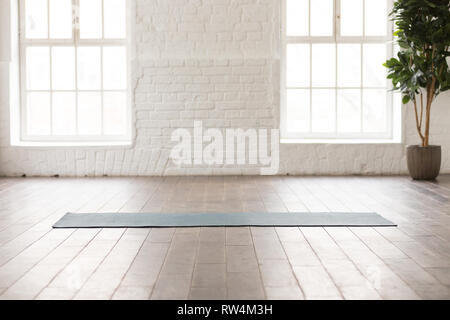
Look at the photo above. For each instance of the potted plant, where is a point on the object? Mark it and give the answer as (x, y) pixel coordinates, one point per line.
(420, 72)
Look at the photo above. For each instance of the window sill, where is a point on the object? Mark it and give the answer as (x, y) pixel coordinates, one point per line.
(339, 141)
(68, 144)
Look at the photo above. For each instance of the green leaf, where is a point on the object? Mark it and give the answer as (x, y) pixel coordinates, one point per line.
(405, 99)
(423, 35)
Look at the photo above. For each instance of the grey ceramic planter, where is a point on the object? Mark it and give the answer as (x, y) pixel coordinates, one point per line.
(424, 163)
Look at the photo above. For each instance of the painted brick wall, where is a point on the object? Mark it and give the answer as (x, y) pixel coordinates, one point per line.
(215, 61)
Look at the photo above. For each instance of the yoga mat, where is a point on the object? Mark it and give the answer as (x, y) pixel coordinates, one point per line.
(161, 220)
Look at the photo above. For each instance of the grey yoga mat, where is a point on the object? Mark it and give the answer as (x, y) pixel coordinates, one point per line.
(161, 220)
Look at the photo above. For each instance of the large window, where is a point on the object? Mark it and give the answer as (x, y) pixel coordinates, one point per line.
(74, 77)
(333, 83)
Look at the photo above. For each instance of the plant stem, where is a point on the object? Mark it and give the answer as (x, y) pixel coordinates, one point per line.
(430, 94)
(421, 109)
(418, 125)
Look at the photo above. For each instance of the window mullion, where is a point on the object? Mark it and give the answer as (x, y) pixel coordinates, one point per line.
(75, 35)
(362, 90)
(336, 18)
(390, 94)
(76, 20)
(101, 71)
(336, 87)
(310, 89)
(364, 18)
(336, 24)
(48, 19)
(309, 18)
(103, 19)
(51, 68)
(50, 48)
(101, 88)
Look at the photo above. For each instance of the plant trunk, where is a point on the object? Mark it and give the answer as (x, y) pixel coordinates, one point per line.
(426, 135)
(430, 94)
(419, 120)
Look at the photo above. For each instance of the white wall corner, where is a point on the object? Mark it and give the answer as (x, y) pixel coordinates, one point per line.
(9, 52)
(5, 34)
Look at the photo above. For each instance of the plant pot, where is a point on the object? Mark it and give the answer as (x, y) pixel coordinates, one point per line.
(424, 163)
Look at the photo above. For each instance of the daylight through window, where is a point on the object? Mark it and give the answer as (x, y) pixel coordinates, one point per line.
(74, 75)
(333, 82)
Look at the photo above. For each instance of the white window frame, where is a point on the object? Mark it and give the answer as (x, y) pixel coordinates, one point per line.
(75, 41)
(336, 38)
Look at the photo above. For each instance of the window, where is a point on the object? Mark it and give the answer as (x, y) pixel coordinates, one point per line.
(334, 85)
(74, 74)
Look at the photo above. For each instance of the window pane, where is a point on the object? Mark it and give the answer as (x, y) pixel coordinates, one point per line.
(64, 114)
(323, 110)
(376, 17)
(60, 19)
(89, 113)
(349, 65)
(297, 68)
(114, 68)
(63, 68)
(38, 68)
(114, 15)
(88, 64)
(36, 19)
(90, 19)
(374, 73)
(298, 110)
(322, 17)
(114, 112)
(352, 17)
(38, 113)
(297, 17)
(349, 110)
(323, 65)
(374, 110)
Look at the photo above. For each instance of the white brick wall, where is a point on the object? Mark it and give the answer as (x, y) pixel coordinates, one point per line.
(216, 61)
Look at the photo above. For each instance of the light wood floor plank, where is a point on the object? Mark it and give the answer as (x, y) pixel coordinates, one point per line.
(411, 261)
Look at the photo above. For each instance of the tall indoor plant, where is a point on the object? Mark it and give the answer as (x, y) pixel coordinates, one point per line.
(420, 72)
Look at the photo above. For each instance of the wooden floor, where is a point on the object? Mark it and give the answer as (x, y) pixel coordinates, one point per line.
(408, 262)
